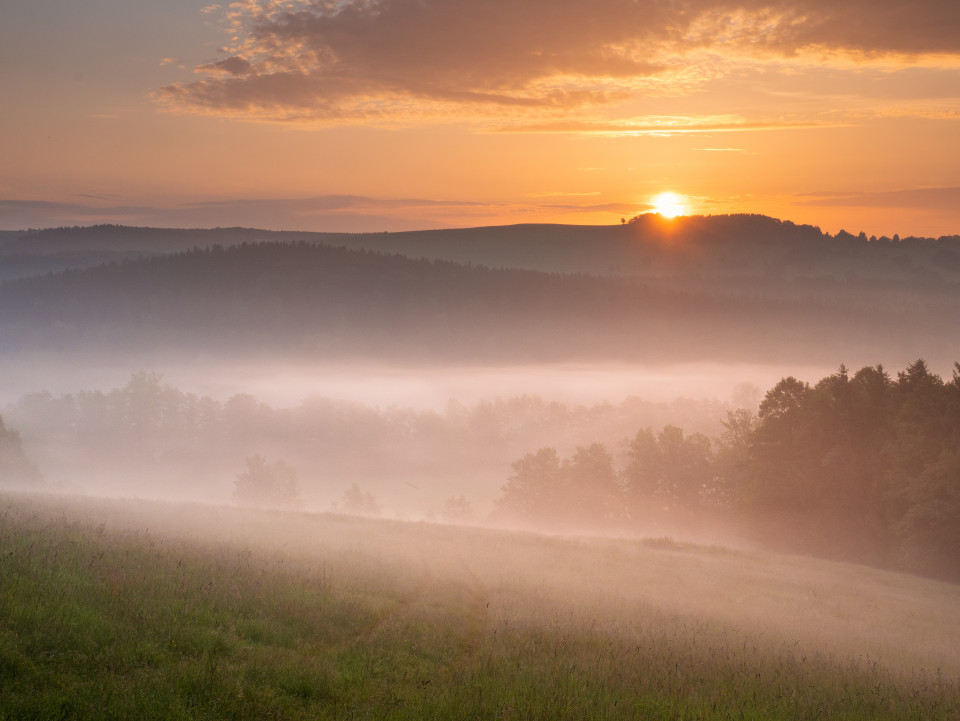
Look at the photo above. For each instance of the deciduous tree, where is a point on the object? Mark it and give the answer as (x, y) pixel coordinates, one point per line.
(263, 483)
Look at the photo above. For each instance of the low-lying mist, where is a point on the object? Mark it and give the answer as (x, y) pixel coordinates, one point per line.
(410, 442)
(426, 387)
(411, 435)
(422, 386)
(795, 464)
(745, 605)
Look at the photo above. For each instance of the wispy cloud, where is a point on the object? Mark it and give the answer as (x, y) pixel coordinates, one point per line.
(340, 213)
(627, 209)
(397, 60)
(562, 194)
(665, 125)
(914, 198)
(922, 113)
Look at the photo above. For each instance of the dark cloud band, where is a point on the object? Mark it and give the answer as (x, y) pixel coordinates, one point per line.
(372, 59)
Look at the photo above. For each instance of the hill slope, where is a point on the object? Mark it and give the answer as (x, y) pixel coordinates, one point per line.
(301, 300)
(131, 610)
(745, 245)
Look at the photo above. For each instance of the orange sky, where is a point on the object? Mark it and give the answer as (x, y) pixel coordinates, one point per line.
(397, 114)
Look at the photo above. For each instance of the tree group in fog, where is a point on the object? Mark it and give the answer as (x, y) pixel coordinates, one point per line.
(579, 491)
(150, 435)
(266, 483)
(15, 468)
(356, 501)
(863, 468)
(860, 466)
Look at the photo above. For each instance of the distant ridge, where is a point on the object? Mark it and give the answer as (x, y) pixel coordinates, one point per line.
(648, 244)
(666, 297)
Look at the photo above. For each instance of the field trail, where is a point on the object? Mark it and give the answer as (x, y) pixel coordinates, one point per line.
(446, 596)
(399, 611)
(475, 618)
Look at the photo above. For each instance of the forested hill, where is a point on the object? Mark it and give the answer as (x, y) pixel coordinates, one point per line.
(721, 246)
(37, 252)
(317, 301)
(709, 246)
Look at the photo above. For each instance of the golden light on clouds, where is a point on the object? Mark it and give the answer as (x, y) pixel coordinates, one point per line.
(353, 61)
(839, 114)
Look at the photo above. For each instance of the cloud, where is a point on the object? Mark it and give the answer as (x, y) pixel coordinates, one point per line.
(234, 65)
(920, 113)
(869, 27)
(261, 212)
(336, 213)
(915, 199)
(665, 125)
(562, 194)
(615, 208)
(396, 60)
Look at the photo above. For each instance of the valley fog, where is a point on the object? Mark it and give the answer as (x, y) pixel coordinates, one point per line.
(411, 437)
(283, 384)
(434, 387)
(412, 442)
(708, 452)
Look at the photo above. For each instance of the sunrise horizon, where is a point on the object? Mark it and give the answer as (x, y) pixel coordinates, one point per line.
(441, 359)
(365, 117)
(366, 226)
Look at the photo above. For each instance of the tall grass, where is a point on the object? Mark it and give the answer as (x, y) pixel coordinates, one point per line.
(127, 610)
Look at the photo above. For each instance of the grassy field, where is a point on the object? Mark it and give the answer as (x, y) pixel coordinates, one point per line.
(123, 609)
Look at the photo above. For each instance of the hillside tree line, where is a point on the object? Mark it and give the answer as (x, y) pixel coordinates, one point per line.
(323, 302)
(862, 467)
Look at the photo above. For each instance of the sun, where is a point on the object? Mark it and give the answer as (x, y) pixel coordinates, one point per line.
(669, 205)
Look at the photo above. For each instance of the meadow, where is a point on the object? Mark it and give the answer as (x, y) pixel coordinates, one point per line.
(118, 609)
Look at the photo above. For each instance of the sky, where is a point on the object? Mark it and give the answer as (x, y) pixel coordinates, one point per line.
(386, 115)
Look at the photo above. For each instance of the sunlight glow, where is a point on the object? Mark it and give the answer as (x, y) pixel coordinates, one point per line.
(669, 205)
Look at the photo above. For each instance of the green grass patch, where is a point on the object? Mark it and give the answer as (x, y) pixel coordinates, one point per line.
(128, 610)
